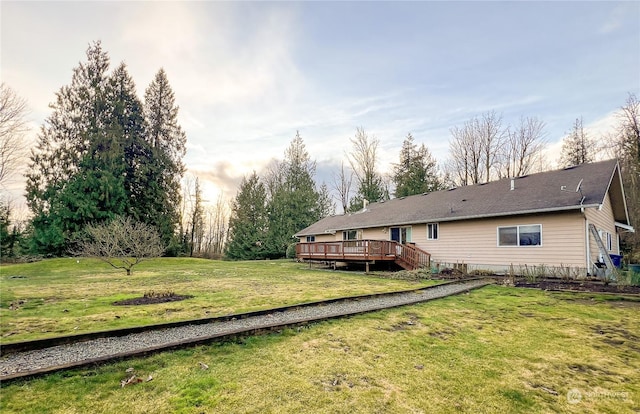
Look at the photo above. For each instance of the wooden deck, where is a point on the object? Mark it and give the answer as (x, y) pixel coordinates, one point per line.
(408, 256)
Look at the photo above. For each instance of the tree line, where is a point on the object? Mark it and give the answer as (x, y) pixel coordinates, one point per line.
(103, 153)
(482, 149)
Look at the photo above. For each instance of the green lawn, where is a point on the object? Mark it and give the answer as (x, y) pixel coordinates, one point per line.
(67, 296)
(493, 350)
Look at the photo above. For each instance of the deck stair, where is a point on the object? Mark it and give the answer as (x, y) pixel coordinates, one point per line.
(410, 257)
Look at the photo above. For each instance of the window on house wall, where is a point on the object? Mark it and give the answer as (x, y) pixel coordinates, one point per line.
(350, 235)
(311, 239)
(606, 238)
(432, 231)
(525, 235)
(609, 242)
(401, 234)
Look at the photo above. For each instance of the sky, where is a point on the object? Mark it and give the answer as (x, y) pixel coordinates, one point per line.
(248, 75)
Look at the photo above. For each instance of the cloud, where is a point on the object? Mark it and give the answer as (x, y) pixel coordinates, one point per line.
(622, 13)
(222, 178)
(248, 75)
(214, 53)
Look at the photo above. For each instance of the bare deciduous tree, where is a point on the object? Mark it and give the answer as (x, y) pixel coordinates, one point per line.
(523, 148)
(489, 132)
(627, 140)
(13, 125)
(464, 156)
(342, 186)
(121, 242)
(217, 222)
(363, 160)
(475, 149)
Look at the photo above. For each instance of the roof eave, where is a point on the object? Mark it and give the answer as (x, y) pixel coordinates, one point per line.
(626, 227)
(472, 217)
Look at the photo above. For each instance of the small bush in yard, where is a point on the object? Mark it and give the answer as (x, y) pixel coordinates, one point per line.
(291, 251)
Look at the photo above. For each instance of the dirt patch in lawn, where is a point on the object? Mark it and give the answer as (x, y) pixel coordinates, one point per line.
(581, 286)
(150, 299)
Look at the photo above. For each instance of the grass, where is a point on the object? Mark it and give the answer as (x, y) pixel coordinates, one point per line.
(67, 296)
(495, 349)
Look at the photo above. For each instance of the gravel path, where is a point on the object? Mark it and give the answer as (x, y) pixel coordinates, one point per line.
(102, 349)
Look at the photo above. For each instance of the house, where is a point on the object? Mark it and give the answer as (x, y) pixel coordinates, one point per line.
(555, 219)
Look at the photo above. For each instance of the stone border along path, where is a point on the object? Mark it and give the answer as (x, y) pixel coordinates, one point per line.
(74, 355)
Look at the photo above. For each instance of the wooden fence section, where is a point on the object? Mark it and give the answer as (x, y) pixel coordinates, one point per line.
(407, 256)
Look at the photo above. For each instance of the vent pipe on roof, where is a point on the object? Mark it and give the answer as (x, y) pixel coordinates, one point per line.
(513, 184)
(365, 203)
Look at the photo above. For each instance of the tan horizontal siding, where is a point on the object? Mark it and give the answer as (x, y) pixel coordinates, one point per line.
(324, 238)
(475, 242)
(375, 234)
(603, 220)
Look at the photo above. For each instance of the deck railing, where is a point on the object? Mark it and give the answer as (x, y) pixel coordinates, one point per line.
(413, 256)
(406, 255)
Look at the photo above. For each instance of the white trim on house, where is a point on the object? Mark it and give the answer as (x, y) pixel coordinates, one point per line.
(517, 227)
(587, 247)
(409, 233)
(435, 226)
(624, 227)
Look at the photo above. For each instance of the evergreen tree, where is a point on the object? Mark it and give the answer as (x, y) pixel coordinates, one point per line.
(577, 147)
(106, 172)
(248, 221)
(128, 128)
(196, 222)
(294, 201)
(80, 114)
(326, 206)
(96, 192)
(97, 157)
(416, 173)
(6, 244)
(163, 167)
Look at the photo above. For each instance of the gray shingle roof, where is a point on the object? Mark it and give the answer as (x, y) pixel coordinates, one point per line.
(535, 193)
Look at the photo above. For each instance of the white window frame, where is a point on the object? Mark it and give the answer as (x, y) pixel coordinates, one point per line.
(609, 242)
(311, 239)
(517, 226)
(606, 238)
(430, 227)
(345, 234)
(408, 231)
